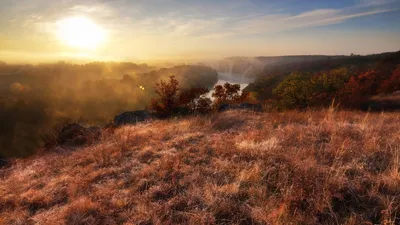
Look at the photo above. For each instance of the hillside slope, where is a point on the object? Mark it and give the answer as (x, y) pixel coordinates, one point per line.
(236, 167)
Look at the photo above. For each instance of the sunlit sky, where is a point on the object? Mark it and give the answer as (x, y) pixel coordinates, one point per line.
(194, 29)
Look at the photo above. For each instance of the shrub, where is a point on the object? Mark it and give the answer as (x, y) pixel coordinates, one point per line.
(174, 100)
(226, 94)
(167, 99)
(70, 134)
(50, 138)
(203, 105)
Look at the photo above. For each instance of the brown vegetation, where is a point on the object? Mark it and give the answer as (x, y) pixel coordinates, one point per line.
(174, 100)
(237, 167)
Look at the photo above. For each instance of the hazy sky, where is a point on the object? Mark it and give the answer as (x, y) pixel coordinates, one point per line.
(199, 29)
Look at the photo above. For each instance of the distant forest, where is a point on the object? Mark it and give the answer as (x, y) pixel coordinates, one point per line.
(360, 82)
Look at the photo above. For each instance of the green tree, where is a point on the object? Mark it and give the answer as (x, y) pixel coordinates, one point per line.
(295, 91)
(326, 86)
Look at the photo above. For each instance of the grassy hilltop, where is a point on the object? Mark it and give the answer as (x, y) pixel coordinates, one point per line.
(237, 167)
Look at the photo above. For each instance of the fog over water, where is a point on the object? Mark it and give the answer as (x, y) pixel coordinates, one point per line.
(232, 78)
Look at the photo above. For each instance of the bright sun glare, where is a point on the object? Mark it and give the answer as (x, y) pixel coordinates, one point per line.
(80, 32)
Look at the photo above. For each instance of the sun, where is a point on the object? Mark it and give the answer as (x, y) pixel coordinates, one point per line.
(80, 32)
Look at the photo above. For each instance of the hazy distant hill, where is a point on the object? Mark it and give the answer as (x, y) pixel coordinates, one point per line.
(67, 74)
(252, 66)
(255, 66)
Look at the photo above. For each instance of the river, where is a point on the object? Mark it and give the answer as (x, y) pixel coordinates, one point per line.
(233, 79)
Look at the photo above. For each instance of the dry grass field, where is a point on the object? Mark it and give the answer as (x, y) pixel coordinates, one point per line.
(237, 167)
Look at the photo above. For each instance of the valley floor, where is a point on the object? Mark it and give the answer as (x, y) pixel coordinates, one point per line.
(237, 167)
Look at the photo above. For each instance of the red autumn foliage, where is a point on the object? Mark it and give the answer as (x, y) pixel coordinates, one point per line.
(393, 83)
(360, 88)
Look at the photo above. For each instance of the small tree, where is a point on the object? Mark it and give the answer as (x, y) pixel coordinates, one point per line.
(173, 100)
(326, 86)
(226, 94)
(219, 94)
(167, 100)
(232, 92)
(295, 91)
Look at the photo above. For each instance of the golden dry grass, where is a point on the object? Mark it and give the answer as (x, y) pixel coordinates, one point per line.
(237, 167)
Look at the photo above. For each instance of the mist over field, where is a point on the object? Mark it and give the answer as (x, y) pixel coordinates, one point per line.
(33, 98)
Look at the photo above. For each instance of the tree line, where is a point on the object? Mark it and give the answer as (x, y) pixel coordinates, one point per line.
(351, 84)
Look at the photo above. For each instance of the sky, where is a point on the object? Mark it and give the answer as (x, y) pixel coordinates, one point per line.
(145, 30)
